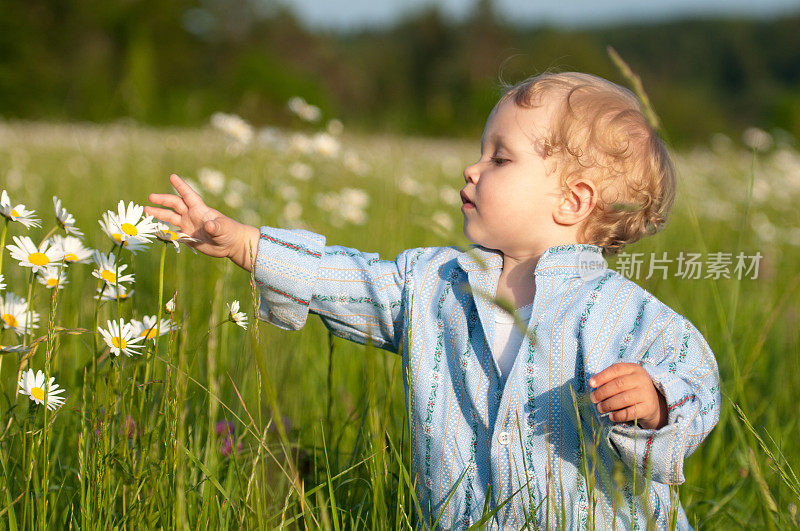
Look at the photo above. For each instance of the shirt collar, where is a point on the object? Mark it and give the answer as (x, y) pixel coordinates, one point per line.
(572, 260)
(478, 258)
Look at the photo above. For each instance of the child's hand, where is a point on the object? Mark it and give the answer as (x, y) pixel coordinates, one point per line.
(217, 234)
(627, 391)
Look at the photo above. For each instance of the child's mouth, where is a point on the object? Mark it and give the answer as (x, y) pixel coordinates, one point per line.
(467, 203)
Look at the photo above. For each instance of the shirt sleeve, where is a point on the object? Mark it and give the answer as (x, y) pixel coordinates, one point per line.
(357, 295)
(684, 370)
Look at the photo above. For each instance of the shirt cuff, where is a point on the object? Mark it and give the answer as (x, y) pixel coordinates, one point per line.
(286, 269)
(659, 450)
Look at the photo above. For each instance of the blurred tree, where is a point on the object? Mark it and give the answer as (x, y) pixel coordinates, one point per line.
(178, 61)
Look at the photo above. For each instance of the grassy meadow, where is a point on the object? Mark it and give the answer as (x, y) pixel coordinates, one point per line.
(216, 427)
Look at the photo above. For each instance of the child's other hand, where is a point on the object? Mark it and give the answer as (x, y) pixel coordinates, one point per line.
(217, 234)
(627, 391)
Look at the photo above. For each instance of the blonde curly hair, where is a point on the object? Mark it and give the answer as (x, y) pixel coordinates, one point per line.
(598, 131)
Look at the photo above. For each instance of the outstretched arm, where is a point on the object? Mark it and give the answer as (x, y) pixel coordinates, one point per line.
(356, 294)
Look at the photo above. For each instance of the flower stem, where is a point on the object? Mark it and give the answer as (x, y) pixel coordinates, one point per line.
(28, 331)
(117, 287)
(28, 326)
(3, 244)
(100, 289)
(149, 362)
(160, 292)
(48, 355)
(50, 233)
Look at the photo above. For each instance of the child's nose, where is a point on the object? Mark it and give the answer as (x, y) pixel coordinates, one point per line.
(471, 173)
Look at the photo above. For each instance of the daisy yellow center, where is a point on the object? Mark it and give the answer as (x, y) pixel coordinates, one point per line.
(108, 276)
(37, 393)
(118, 238)
(52, 282)
(129, 229)
(38, 259)
(71, 257)
(170, 235)
(118, 342)
(150, 333)
(10, 320)
(14, 212)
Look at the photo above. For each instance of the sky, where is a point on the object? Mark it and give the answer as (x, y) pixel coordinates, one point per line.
(351, 14)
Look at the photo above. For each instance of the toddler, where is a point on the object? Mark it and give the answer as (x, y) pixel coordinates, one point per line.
(569, 171)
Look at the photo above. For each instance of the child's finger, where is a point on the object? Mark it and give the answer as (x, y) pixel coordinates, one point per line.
(163, 214)
(614, 387)
(189, 195)
(628, 414)
(615, 371)
(212, 227)
(618, 401)
(169, 200)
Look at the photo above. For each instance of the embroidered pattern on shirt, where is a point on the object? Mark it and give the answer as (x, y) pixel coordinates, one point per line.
(579, 361)
(294, 246)
(283, 293)
(435, 375)
(530, 417)
(352, 254)
(347, 299)
(684, 341)
(627, 338)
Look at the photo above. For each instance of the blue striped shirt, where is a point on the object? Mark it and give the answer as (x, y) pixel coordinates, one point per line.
(516, 440)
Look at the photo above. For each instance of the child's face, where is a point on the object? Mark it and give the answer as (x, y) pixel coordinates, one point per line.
(509, 195)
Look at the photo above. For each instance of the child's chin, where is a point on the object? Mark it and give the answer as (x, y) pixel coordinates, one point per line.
(475, 240)
(467, 234)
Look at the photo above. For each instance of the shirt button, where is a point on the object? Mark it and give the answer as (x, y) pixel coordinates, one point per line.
(503, 438)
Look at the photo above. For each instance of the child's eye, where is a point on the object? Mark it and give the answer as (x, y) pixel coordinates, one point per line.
(499, 160)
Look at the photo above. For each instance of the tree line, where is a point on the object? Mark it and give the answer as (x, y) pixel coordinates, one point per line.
(175, 62)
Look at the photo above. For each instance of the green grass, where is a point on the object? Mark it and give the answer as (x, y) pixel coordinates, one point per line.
(321, 421)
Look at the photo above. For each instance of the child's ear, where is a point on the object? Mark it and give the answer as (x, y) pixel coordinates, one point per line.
(579, 200)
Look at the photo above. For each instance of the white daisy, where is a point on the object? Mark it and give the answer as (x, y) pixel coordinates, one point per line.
(240, 318)
(18, 212)
(109, 293)
(2, 283)
(303, 110)
(14, 314)
(335, 127)
(128, 227)
(233, 126)
(30, 256)
(169, 307)
(167, 235)
(65, 219)
(108, 271)
(72, 249)
(212, 180)
(301, 171)
(53, 277)
(147, 329)
(121, 339)
(133, 223)
(326, 144)
(34, 387)
(442, 223)
(110, 225)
